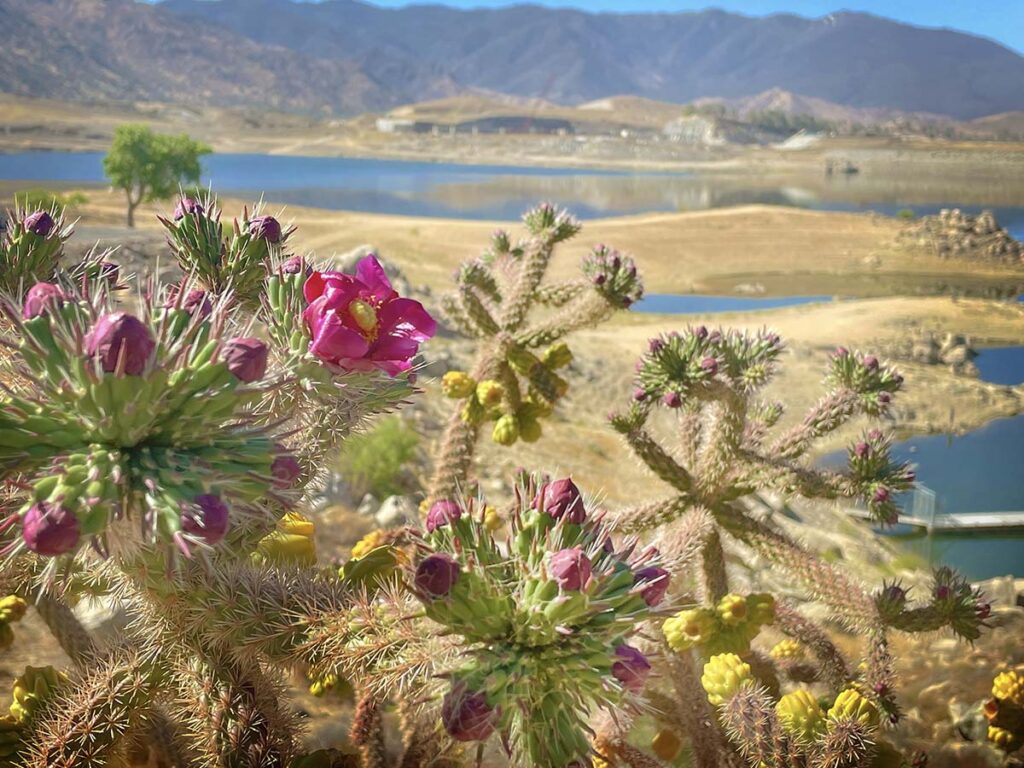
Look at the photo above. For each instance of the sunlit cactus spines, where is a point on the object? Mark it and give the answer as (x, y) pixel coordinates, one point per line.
(546, 613)
(31, 247)
(519, 323)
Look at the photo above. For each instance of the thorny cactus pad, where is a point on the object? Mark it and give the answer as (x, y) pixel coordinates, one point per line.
(547, 615)
(31, 248)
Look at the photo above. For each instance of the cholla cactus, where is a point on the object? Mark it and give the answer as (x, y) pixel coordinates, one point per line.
(514, 381)
(137, 418)
(12, 610)
(546, 617)
(31, 248)
(238, 262)
(710, 380)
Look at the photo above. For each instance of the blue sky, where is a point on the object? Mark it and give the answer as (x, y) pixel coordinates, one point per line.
(1001, 20)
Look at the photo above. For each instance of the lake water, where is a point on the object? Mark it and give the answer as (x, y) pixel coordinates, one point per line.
(696, 304)
(1001, 365)
(499, 192)
(976, 472)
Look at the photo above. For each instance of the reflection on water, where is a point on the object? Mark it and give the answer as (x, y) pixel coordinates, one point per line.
(694, 304)
(494, 192)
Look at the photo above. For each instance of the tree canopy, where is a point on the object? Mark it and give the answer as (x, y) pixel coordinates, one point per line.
(151, 166)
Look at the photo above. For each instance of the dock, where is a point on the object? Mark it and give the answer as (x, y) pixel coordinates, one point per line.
(959, 521)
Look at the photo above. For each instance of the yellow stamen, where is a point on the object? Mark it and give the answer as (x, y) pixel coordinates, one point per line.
(364, 315)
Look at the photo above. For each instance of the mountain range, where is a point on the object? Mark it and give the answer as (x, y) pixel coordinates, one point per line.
(342, 57)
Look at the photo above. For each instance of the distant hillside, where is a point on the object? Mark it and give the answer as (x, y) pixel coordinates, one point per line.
(344, 57)
(124, 50)
(570, 57)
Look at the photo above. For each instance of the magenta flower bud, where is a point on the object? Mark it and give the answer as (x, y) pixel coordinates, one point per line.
(639, 394)
(881, 495)
(266, 228)
(709, 365)
(600, 279)
(656, 580)
(942, 592)
(119, 339)
(246, 358)
(983, 611)
(881, 688)
(436, 575)
(861, 450)
(442, 513)
(630, 668)
(701, 332)
(894, 594)
(208, 519)
(196, 300)
(875, 434)
(871, 362)
(295, 265)
(109, 271)
(840, 352)
(285, 469)
(467, 716)
(885, 398)
(188, 206)
(40, 298)
(50, 529)
(39, 223)
(655, 346)
(672, 400)
(562, 499)
(571, 569)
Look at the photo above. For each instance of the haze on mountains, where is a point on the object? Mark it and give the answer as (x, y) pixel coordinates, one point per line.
(344, 57)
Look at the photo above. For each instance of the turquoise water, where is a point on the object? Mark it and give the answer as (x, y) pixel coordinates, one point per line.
(451, 190)
(1001, 365)
(696, 304)
(980, 471)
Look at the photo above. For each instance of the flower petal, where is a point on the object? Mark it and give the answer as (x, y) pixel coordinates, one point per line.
(394, 348)
(370, 272)
(408, 317)
(331, 339)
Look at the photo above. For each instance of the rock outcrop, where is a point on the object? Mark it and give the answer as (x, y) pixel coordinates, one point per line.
(952, 233)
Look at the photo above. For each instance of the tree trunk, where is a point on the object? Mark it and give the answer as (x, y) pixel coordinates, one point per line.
(131, 214)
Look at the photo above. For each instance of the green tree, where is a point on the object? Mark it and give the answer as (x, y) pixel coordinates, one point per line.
(151, 166)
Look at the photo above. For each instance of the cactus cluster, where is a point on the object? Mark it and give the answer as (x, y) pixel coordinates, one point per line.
(163, 448)
(547, 617)
(514, 381)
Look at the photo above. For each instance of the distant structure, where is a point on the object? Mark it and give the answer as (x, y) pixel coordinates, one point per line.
(497, 124)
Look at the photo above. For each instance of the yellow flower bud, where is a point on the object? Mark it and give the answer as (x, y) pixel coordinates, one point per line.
(723, 676)
(1006, 740)
(1009, 686)
(688, 628)
(530, 430)
(800, 715)
(367, 544)
(12, 609)
(506, 430)
(492, 520)
(732, 609)
(787, 650)
(458, 384)
(852, 705)
(489, 393)
(292, 543)
(557, 356)
(31, 690)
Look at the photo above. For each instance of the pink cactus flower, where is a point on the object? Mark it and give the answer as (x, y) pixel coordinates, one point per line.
(40, 298)
(50, 529)
(359, 322)
(442, 513)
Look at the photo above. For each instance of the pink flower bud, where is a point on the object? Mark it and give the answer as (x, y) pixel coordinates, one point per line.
(655, 346)
(436, 575)
(571, 569)
(39, 223)
(119, 339)
(861, 450)
(266, 228)
(672, 399)
(881, 495)
(983, 611)
(207, 519)
(40, 298)
(871, 362)
(246, 358)
(700, 332)
(630, 668)
(285, 470)
(639, 394)
(840, 352)
(442, 513)
(657, 584)
(561, 498)
(196, 300)
(295, 265)
(709, 365)
(467, 716)
(942, 592)
(188, 206)
(50, 529)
